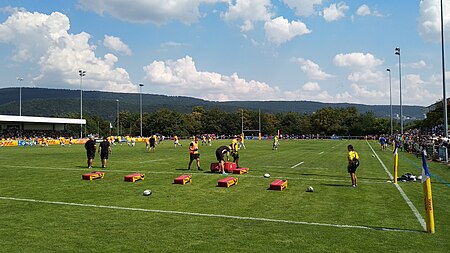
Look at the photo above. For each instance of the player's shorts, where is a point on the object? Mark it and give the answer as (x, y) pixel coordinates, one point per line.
(104, 156)
(352, 167)
(90, 154)
(152, 145)
(235, 155)
(220, 156)
(194, 156)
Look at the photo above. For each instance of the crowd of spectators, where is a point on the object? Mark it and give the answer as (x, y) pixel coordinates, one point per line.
(15, 134)
(415, 141)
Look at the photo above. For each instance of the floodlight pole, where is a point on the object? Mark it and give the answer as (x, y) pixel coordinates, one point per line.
(140, 102)
(20, 79)
(397, 52)
(242, 121)
(390, 99)
(444, 95)
(118, 124)
(259, 122)
(81, 73)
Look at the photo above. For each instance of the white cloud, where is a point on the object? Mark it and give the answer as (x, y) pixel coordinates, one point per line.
(249, 11)
(279, 30)
(307, 95)
(363, 10)
(171, 44)
(151, 11)
(363, 94)
(357, 61)
(335, 12)
(116, 44)
(366, 76)
(181, 77)
(312, 69)
(417, 65)
(43, 40)
(247, 26)
(415, 91)
(429, 21)
(303, 8)
(311, 86)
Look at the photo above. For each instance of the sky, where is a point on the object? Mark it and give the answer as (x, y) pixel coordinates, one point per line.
(228, 50)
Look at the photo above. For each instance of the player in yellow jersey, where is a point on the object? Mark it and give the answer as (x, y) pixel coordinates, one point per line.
(276, 143)
(353, 163)
(241, 143)
(235, 150)
(194, 154)
(203, 140)
(176, 142)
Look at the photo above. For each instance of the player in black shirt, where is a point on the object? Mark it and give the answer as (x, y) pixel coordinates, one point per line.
(104, 149)
(90, 151)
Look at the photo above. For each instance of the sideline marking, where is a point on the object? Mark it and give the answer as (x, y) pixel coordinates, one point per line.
(321, 153)
(300, 163)
(405, 197)
(206, 215)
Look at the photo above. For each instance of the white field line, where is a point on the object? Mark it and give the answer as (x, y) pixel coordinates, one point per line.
(204, 215)
(185, 171)
(300, 163)
(405, 197)
(321, 152)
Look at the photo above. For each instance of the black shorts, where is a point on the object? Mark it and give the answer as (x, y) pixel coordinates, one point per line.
(104, 156)
(351, 169)
(194, 156)
(220, 156)
(90, 154)
(235, 155)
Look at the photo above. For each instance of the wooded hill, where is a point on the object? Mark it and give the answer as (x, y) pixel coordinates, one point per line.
(60, 102)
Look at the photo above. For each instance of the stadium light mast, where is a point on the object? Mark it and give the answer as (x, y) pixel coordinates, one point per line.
(397, 52)
(140, 103)
(20, 79)
(444, 95)
(81, 73)
(118, 124)
(390, 99)
(242, 121)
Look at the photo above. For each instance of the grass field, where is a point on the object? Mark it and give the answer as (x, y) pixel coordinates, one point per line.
(45, 206)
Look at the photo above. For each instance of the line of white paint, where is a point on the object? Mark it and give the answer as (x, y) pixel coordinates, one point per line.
(300, 163)
(321, 152)
(193, 172)
(204, 215)
(405, 197)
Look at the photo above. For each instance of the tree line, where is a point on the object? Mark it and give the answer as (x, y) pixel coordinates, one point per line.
(326, 121)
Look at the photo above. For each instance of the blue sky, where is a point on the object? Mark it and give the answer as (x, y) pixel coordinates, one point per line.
(221, 50)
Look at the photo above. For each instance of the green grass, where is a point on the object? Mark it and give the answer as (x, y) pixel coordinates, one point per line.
(53, 174)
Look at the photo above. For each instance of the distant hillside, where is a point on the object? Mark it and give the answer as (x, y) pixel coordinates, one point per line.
(59, 102)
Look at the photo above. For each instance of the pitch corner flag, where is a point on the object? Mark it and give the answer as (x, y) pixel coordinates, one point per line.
(395, 152)
(426, 186)
(425, 171)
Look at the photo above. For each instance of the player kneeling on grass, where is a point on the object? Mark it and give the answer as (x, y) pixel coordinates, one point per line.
(220, 155)
(104, 149)
(353, 163)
